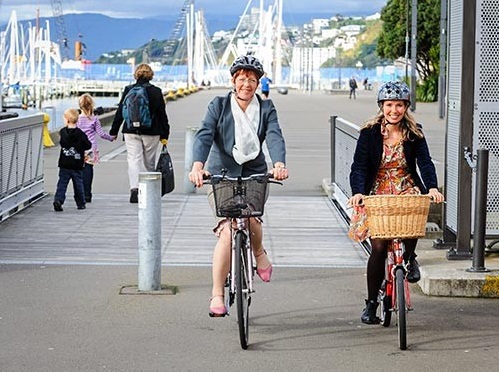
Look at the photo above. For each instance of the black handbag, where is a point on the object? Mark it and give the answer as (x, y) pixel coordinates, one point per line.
(165, 167)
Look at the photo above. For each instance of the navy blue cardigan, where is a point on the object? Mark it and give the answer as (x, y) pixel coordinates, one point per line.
(367, 159)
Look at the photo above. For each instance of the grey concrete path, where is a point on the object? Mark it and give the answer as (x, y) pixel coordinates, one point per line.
(61, 274)
(305, 123)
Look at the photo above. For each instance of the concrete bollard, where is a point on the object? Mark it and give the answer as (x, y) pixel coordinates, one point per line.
(149, 231)
(190, 132)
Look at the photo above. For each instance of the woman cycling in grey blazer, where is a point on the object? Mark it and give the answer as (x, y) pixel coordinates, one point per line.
(231, 137)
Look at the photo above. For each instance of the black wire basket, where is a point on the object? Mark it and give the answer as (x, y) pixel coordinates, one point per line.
(240, 197)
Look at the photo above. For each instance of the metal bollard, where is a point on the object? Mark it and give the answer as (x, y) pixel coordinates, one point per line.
(149, 231)
(190, 132)
(482, 165)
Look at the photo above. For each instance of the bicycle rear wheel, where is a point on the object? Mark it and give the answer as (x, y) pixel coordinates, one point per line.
(401, 310)
(242, 288)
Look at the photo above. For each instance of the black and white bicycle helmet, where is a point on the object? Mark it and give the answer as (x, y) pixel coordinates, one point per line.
(394, 91)
(247, 62)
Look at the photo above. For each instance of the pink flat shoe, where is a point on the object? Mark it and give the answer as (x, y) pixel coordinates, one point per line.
(265, 274)
(217, 311)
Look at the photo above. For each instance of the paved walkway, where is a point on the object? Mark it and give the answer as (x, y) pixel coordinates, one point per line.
(62, 274)
(303, 228)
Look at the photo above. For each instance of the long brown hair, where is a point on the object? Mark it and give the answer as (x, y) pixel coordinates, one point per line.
(408, 124)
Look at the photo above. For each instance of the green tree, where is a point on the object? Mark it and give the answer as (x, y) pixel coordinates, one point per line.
(391, 43)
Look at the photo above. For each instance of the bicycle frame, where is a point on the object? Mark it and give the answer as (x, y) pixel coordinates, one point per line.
(394, 218)
(394, 295)
(395, 261)
(240, 224)
(239, 199)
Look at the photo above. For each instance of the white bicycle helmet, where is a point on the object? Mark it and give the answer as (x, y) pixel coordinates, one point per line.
(247, 62)
(394, 91)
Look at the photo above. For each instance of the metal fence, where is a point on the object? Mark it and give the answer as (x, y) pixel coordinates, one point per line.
(21, 163)
(344, 135)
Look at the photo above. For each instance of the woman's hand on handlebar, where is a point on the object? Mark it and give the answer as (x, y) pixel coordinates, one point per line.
(356, 200)
(436, 196)
(279, 172)
(197, 174)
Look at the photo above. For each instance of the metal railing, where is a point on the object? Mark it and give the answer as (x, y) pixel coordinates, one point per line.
(344, 135)
(21, 163)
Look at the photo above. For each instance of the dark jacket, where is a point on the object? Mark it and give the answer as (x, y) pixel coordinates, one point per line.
(157, 107)
(216, 138)
(367, 159)
(73, 143)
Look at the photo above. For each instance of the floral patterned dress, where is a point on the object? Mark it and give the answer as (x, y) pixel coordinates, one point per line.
(393, 175)
(393, 178)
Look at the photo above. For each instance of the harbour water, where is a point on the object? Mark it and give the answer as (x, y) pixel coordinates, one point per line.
(178, 73)
(55, 108)
(121, 72)
(172, 76)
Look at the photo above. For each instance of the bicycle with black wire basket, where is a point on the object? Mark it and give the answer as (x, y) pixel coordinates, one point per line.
(396, 217)
(239, 199)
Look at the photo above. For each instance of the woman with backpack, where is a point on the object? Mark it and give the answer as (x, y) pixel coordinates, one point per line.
(142, 112)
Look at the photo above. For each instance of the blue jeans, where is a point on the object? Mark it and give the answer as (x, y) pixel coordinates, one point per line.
(76, 176)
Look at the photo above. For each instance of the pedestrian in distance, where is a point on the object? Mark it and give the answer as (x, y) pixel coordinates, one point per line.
(232, 134)
(353, 87)
(142, 113)
(390, 151)
(90, 124)
(73, 143)
(265, 82)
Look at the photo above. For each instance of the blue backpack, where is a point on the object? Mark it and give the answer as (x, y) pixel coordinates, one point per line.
(135, 109)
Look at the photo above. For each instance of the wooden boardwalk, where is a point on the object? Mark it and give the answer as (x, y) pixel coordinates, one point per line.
(301, 226)
(299, 232)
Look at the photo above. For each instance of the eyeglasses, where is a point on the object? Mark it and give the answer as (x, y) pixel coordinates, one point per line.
(249, 81)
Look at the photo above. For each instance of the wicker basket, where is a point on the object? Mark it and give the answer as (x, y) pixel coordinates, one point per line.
(397, 216)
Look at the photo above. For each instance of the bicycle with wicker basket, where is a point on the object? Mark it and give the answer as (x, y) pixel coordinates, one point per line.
(240, 199)
(396, 217)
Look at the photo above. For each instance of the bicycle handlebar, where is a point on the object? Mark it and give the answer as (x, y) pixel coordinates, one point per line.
(389, 195)
(268, 177)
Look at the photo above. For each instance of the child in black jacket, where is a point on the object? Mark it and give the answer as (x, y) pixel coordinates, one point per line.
(73, 143)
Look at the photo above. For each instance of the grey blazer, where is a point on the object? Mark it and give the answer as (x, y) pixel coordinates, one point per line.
(215, 139)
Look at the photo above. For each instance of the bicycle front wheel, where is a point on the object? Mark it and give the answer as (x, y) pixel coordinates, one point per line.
(242, 288)
(401, 311)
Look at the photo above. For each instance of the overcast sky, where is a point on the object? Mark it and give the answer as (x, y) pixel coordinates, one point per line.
(26, 9)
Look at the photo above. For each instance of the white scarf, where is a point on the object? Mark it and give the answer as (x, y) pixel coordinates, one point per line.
(247, 144)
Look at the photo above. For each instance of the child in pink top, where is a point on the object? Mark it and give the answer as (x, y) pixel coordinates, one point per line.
(90, 125)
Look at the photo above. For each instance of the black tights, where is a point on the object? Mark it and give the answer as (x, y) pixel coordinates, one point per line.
(376, 264)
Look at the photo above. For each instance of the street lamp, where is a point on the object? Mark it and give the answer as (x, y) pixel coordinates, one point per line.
(338, 55)
(414, 31)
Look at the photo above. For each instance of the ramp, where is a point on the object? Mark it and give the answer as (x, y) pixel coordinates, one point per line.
(299, 232)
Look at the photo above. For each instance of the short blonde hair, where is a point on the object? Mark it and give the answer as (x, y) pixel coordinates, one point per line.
(143, 72)
(71, 115)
